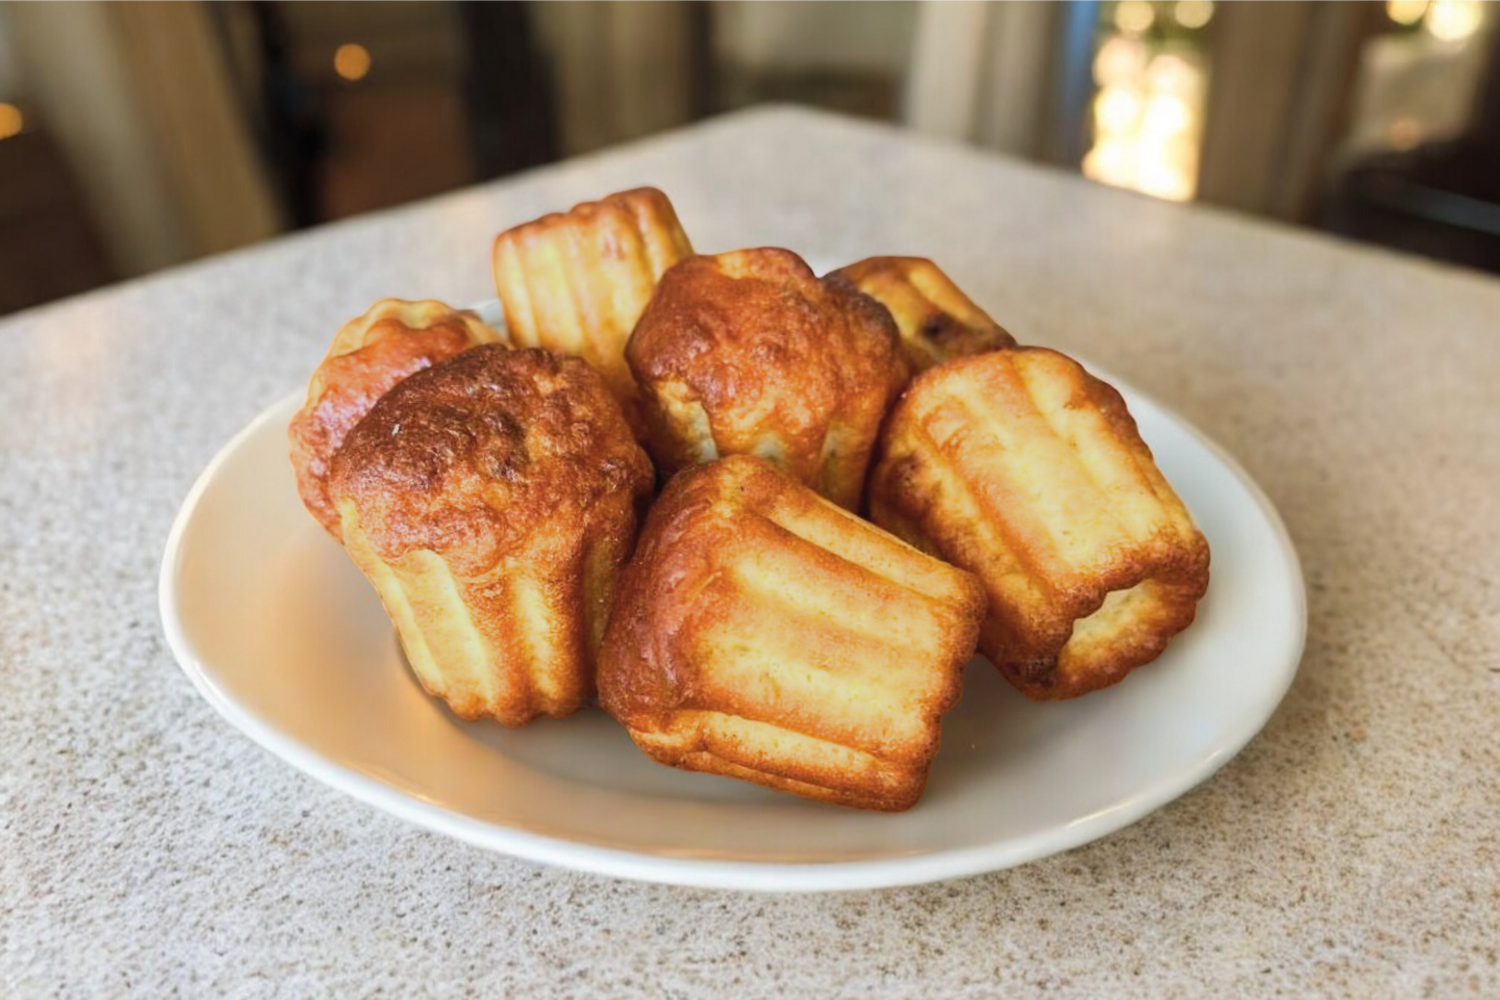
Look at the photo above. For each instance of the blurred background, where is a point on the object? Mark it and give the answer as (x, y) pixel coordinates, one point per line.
(135, 136)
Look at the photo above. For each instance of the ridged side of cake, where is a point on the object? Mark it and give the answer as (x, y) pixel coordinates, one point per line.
(764, 633)
(576, 282)
(516, 644)
(1020, 466)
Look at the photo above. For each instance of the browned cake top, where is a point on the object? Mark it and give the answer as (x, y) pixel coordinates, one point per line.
(766, 347)
(936, 319)
(469, 458)
(371, 353)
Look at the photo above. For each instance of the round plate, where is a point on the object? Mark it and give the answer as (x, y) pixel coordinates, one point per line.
(279, 631)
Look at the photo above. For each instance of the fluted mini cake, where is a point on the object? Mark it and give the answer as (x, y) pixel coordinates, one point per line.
(936, 319)
(748, 353)
(370, 353)
(491, 501)
(1022, 467)
(575, 282)
(763, 633)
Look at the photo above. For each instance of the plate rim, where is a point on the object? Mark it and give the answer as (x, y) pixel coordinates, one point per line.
(719, 873)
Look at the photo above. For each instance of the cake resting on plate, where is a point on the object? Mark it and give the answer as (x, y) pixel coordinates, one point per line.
(936, 319)
(1024, 468)
(370, 353)
(575, 282)
(491, 501)
(492, 489)
(748, 353)
(763, 633)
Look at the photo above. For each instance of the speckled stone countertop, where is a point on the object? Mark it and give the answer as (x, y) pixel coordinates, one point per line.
(149, 849)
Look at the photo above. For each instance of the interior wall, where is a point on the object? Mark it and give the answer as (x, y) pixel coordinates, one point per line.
(137, 96)
(205, 152)
(620, 70)
(787, 35)
(71, 69)
(10, 73)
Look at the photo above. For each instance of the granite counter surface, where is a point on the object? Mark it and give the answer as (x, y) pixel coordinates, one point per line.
(149, 849)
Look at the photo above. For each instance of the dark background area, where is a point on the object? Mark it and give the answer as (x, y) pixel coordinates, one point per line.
(136, 136)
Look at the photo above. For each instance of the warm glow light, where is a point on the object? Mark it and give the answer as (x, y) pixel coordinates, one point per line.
(1166, 116)
(1111, 162)
(1193, 14)
(1120, 60)
(352, 61)
(1148, 111)
(1453, 20)
(1407, 12)
(1182, 152)
(1134, 17)
(11, 121)
(1404, 133)
(1169, 74)
(1156, 175)
(1115, 110)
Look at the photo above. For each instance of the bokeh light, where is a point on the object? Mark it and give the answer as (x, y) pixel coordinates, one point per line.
(1404, 133)
(1193, 14)
(1166, 115)
(1111, 161)
(1120, 60)
(1172, 74)
(352, 61)
(1147, 115)
(1134, 17)
(1156, 174)
(11, 121)
(1453, 20)
(1115, 110)
(1405, 12)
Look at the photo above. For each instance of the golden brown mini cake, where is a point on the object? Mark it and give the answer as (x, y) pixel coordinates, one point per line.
(371, 353)
(936, 319)
(1022, 467)
(748, 353)
(491, 500)
(575, 282)
(765, 634)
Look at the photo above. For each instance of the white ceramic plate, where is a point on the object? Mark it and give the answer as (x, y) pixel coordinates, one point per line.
(281, 634)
